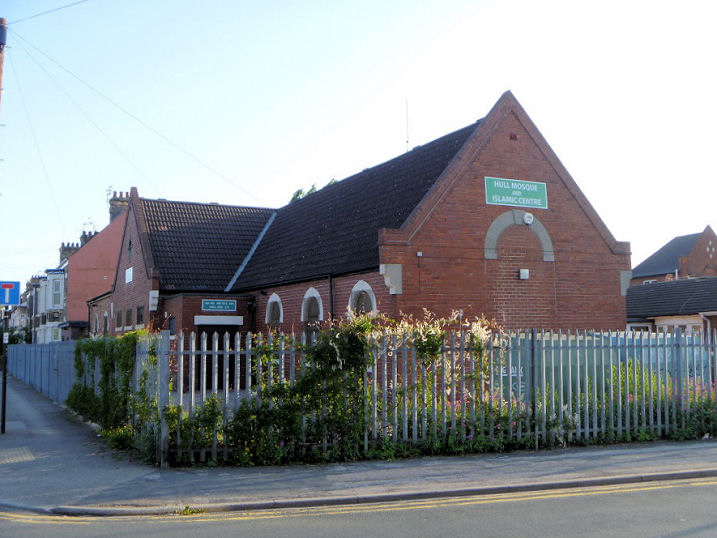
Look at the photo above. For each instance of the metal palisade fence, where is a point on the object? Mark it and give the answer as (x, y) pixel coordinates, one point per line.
(529, 388)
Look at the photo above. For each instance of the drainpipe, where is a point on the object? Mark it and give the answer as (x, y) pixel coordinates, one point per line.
(331, 295)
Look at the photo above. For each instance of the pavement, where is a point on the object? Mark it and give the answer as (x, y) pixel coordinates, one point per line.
(53, 463)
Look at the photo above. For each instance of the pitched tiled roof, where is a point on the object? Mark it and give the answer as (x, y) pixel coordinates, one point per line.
(198, 247)
(678, 297)
(666, 260)
(335, 230)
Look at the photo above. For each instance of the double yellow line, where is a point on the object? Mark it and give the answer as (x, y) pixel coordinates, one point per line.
(395, 506)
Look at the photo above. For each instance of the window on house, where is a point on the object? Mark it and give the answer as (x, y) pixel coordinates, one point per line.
(274, 311)
(311, 324)
(118, 321)
(140, 315)
(128, 318)
(57, 293)
(106, 324)
(362, 300)
(97, 325)
(311, 314)
(172, 326)
(128, 275)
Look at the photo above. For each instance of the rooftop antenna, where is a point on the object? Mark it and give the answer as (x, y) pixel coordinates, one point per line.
(407, 137)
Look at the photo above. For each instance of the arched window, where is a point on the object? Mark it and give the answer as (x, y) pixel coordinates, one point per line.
(274, 311)
(362, 300)
(312, 313)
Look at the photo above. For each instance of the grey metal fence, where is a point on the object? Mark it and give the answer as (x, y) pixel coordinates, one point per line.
(48, 368)
(535, 386)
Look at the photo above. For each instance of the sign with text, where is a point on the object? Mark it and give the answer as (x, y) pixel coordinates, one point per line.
(9, 293)
(517, 193)
(219, 305)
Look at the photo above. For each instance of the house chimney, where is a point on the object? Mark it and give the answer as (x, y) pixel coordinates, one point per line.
(67, 250)
(118, 204)
(86, 236)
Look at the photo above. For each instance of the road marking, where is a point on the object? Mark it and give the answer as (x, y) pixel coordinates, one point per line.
(367, 508)
(15, 455)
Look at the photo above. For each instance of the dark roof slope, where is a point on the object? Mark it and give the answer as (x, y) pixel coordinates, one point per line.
(335, 230)
(666, 260)
(678, 297)
(196, 246)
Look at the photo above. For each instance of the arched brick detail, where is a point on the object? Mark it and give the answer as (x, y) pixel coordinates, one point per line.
(514, 217)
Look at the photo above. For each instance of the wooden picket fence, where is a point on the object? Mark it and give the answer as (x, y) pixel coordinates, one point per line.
(535, 387)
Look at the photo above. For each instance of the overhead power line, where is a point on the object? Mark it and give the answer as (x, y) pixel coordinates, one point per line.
(38, 149)
(140, 121)
(48, 11)
(86, 114)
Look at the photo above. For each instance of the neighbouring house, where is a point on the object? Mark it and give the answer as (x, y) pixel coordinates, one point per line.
(690, 304)
(686, 256)
(91, 271)
(485, 220)
(49, 304)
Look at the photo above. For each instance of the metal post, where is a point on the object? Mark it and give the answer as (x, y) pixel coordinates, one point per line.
(3, 365)
(164, 398)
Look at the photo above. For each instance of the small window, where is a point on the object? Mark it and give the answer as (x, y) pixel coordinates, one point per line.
(274, 311)
(311, 320)
(118, 321)
(97, 325)
(128, 275)
(57, 293)
(106, 324)
(128, 318)
(140, 315)
(362, 301)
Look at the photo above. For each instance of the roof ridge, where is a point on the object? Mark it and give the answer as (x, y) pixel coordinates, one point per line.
(208, 204)
(406, 155)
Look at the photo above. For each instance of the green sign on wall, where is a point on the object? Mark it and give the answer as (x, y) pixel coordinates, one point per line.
(219, 305)
(517, 193)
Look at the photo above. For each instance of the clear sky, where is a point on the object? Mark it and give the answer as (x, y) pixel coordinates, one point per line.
(244, 102)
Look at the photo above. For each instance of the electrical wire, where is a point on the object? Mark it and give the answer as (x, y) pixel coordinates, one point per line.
(140, 121)
(47, 12)
(37, 146)
(87, 116)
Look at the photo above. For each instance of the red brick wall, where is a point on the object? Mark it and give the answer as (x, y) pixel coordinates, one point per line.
(702, 260)
(292, 296)
(91, 270)
(184, 307)
(130, 295)
(580, 289)
(98, 308)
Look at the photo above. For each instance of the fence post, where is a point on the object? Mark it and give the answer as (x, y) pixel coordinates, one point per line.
(163, 358)
(681, 358)
(534, 366)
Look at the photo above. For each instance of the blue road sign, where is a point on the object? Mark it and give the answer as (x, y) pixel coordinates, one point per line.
(9, 293)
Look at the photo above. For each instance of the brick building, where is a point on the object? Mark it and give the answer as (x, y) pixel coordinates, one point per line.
(689, 304)
(174, 262)
(485, 219)
(686, 256)
(440, 227)
(91, 272)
